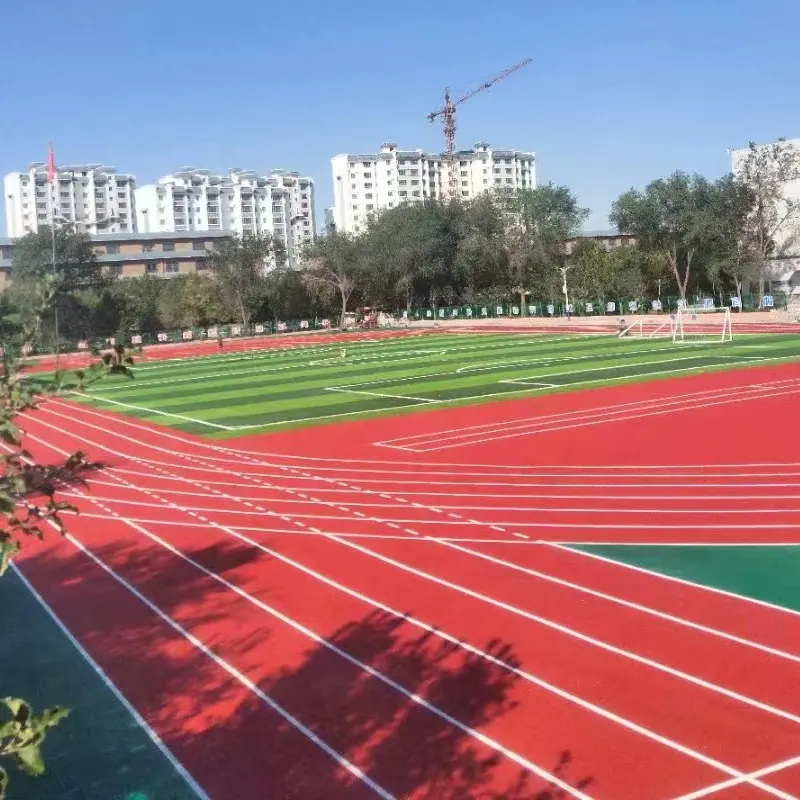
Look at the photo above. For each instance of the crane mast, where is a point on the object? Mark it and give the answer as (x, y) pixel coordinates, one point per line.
(448, 115)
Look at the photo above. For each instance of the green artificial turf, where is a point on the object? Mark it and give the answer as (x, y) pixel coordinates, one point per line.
(247, 392)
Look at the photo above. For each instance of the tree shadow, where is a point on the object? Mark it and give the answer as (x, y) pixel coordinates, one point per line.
(238, 747)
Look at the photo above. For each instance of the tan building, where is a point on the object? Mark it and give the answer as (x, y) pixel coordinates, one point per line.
(131, 255)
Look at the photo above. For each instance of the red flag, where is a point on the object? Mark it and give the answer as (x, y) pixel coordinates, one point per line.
(51, 166)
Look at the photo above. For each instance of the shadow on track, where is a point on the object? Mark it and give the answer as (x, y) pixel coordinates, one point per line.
(237, 749)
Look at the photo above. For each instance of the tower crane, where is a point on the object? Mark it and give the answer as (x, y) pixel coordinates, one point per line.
(448, 115)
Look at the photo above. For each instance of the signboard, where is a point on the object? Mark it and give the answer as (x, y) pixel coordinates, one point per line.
(162, 337)
(551, 309)
(304, 324)
(708, 302)
(633, 306)
(136, 339)
(259, 328)
(736, 302)
(187, 335)
(611, 307)
(768, 301)
(656, 305)
(590, 308)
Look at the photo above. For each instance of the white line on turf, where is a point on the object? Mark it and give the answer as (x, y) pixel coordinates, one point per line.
(98, 670)
(345, 390)
(181, 417)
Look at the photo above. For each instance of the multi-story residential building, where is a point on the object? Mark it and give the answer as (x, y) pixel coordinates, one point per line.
(128, 255)
(365, 184)
(93, 196)
(240, 201)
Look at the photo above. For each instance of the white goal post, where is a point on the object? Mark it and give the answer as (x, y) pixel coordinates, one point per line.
(688, 324)
(704, 323)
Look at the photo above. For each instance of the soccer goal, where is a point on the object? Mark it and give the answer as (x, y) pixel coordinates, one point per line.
(702, 324)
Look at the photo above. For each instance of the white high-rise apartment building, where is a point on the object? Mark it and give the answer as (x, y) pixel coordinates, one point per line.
(365, 184)
(95, 198)
(280, 204)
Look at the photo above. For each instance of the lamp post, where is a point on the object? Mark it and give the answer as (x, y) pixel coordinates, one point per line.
(563, 271)
(71, 223)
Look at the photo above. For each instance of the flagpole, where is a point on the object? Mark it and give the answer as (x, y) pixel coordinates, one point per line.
(51, 174)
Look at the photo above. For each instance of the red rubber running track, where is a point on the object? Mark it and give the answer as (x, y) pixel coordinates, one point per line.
(324, 617)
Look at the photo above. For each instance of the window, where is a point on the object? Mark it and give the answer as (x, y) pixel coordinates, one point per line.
(369, 208)
(368, 196)
(151, 268)
(366, 164)
(112, 249)
(172, 267)
(366, 186)
(200, 266)
(402, 183)
(367, 175)
(115, 270)
(168, 247)
(147, 247)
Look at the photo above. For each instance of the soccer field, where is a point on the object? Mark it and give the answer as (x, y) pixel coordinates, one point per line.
(243, 392)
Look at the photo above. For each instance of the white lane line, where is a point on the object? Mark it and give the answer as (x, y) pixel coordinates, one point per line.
(663, 576)
(98, 670)
(415, 698)
(759, 773)
(441, 634)
(600, 644)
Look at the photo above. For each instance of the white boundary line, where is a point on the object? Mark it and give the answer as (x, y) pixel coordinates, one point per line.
(666, 577)
(635, 657)
(438, 632)
(319, 640)
(661, 400)
(98, 670)
(759, 773)
(583, 423)
(344, 390)
(154, 411)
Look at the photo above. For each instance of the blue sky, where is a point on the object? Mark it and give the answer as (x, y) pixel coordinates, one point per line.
(619, 91)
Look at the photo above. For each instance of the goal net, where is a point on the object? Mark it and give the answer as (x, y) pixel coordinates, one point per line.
(702, 324)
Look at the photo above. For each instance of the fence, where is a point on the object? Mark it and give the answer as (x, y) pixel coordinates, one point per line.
(186, 335)
(539, 308)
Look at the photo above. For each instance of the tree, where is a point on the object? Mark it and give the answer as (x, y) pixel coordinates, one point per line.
(767, 229)
(240, 265)
(332, 265)
(736, 252)
(28, 503)
(33, 271)
(673, 216)
(538, 224)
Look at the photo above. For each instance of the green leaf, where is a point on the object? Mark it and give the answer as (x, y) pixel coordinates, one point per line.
(3, 783)
(30, 759)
